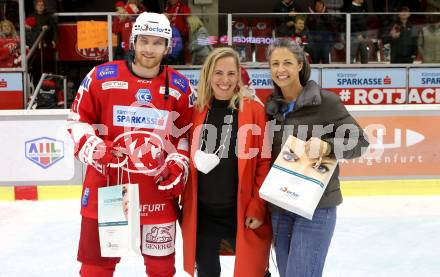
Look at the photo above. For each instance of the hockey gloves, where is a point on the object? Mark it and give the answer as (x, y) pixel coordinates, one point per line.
(101, 154)
(171, 181)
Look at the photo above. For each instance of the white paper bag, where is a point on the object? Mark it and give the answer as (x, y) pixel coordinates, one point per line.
(293, 183)
(119, 221)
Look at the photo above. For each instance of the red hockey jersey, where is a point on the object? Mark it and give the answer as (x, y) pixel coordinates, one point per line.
(132, 112)
(123, 29)
(9, 51)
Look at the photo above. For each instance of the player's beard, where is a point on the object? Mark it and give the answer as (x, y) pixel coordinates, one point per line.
(152, 62)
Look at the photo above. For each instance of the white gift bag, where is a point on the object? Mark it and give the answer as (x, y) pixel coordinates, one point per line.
(119, 220)
(293, 183)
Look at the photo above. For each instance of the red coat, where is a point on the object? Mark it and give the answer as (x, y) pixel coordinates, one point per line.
(253, 246)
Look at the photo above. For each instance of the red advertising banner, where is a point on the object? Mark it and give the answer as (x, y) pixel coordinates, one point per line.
(68, 50)
(403, 146)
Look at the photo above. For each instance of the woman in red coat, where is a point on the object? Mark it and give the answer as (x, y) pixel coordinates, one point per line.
(221, 201)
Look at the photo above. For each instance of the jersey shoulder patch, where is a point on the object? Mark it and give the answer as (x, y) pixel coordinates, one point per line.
(179, 81)
(107, 70)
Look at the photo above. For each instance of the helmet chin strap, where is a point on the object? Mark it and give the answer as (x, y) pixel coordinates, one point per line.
(167, 83)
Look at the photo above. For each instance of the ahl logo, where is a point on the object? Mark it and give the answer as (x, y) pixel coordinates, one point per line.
(143, 96)
(44, 151)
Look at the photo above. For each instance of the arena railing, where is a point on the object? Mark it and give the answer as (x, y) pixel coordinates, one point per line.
(250, 34)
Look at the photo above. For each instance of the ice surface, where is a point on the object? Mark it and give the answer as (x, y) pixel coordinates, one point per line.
(374, 236)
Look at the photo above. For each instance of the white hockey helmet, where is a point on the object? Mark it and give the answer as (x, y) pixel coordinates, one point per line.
(151, 24)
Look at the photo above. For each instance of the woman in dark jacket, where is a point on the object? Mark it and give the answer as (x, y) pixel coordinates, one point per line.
(299, 107)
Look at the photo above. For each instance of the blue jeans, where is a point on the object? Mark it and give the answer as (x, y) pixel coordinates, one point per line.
(301, 245)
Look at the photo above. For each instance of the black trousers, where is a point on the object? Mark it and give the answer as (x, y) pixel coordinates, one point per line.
(208, 254)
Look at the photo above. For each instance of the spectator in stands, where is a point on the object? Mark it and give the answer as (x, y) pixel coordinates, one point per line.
(134, 7)
(303, 6)
(174, 11)
(7, 29)
(285, 23)
(177, 12)
(402, 37)
(45, 21)
(359, 33)
(199, 44)
(176, 55)
(300, 35)
(432, 6)
(429, 41)
(320, 33)
(9, 44)
(121, 27)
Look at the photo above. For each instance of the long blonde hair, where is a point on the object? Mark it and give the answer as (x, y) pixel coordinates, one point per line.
(13, 32)
(205, 92)
(194, 23)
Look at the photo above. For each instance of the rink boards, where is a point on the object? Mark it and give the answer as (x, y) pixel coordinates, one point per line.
(402, 160)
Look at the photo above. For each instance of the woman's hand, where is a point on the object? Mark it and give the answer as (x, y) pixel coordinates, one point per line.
(316, 149)
(252, 223)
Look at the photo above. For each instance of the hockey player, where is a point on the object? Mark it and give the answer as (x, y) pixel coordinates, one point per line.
(137, 109)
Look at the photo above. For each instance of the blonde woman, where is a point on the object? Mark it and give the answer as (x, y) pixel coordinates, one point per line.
(9, 44)
(7, 29)
(221, 202)
(199, 45)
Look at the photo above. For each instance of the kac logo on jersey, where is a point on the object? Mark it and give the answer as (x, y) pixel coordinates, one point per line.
(179, 82)
(107, 71)
(44, 151)
(143, 96)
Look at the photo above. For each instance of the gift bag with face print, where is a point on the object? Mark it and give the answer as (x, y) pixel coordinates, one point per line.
(119, 221)
(295, 182)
